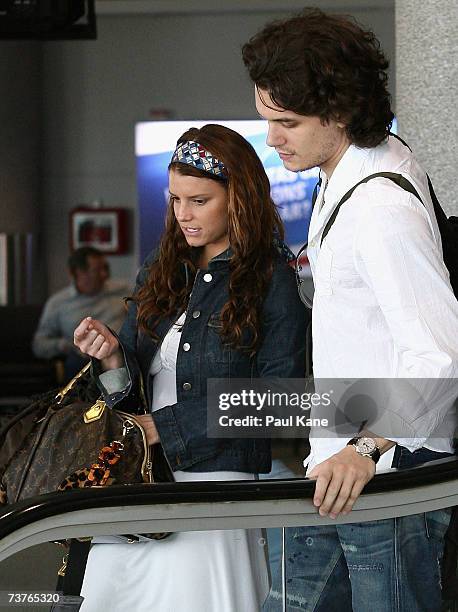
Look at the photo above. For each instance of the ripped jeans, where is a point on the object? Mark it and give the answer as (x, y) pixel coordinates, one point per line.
(391, 565)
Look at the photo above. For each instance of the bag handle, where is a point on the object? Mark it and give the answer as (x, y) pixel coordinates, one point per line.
(63, 392)
(143, 396)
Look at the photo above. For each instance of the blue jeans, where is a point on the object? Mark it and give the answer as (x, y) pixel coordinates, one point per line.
(274, 539)
(392, 565)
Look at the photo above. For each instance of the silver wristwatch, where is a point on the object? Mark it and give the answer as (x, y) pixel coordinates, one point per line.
(366, 447)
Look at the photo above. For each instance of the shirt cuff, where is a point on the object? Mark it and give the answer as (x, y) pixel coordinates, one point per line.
(412, 444)
(114, 381)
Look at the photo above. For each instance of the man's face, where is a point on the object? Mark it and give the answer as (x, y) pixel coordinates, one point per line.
(302, 142)
(92, 280)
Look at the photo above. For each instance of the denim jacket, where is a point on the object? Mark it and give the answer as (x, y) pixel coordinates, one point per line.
(202, 355)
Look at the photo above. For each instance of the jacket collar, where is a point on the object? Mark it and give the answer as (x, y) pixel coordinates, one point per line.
(218, 261)
(222, 257)
(225, 256)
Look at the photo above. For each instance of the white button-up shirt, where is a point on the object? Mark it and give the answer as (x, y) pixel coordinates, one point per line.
(383, 306)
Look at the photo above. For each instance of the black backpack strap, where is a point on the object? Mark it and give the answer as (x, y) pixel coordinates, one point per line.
(315, 191)
(400, 140)
(448, 227)
(438, 210)
(441, 217)
(70, 584)
(392, 176)
(396, 178)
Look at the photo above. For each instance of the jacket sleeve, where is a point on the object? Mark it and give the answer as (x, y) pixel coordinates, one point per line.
(285, 319)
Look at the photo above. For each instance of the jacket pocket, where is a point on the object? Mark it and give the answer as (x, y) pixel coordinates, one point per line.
(215, 350)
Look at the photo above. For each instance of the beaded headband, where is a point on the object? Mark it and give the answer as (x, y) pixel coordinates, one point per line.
(194, 154)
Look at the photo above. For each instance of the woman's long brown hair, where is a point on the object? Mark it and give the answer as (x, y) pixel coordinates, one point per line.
(253, 220)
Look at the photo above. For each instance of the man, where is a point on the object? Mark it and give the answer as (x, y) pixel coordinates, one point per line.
(383, 308)
(91, 293)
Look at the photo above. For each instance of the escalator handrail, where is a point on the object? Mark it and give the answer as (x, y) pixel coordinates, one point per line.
(16, 516)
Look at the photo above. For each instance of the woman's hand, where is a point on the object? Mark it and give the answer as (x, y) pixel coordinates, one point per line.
(93, 338)
(146, 421)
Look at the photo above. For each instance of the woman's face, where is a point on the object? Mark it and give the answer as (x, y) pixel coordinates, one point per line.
(200, 207)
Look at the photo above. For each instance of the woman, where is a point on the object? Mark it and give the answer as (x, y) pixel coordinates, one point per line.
(216, 300)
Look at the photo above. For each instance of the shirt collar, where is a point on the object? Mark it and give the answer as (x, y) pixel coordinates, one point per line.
(347, 173)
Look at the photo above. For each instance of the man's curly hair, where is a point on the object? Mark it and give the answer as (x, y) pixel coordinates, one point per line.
(327, 66)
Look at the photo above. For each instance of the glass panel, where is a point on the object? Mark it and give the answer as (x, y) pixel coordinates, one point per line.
(30, 573)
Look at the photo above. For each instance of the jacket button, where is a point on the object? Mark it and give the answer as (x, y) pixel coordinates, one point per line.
(186, 346)
(208, 278)
(196, 314)
(187, 386)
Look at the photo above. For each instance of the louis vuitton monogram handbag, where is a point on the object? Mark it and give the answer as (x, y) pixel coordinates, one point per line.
(71, 439)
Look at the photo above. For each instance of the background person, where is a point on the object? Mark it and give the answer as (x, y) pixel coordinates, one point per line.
(383, 308)
(90, 293)
(217, 300)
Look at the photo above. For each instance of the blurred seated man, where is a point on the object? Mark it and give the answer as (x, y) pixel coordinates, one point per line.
(89, 294)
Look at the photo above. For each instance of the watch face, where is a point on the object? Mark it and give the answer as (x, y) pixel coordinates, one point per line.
(366, 446)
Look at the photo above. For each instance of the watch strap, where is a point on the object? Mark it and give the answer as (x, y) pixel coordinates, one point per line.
(374, 455)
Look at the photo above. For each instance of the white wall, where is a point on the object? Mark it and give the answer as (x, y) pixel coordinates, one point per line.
(428, 89)
(95, 91)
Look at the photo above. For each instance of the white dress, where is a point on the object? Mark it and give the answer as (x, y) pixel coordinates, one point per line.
(192, 571)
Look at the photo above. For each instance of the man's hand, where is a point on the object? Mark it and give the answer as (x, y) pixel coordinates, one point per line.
(146, 421)
(339, 481)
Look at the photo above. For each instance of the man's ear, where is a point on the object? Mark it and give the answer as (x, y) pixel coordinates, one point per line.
(340, 122)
